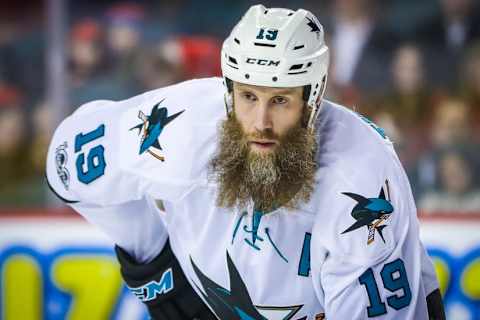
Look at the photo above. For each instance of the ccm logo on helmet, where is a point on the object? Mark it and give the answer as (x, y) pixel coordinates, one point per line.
(263, 62)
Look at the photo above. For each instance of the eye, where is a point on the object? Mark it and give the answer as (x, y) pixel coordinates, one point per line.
(279, 100)
(249, 96)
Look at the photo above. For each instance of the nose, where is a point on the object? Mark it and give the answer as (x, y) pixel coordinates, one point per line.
(263, 119)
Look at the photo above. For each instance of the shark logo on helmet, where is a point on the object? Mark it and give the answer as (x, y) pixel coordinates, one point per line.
(312, 24)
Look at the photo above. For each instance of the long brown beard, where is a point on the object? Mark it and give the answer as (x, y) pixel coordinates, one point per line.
(284, 177)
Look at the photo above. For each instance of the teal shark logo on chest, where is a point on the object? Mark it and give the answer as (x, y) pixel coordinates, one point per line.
(370, 213)
(236, 303)
(151, 127)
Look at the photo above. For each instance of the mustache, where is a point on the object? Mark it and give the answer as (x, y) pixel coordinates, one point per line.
(267, 134)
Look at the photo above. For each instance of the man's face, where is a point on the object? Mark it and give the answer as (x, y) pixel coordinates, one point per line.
(265, 152)
(266, 114)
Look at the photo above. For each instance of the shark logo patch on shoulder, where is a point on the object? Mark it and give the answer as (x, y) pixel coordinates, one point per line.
(151, 127)
(371, 213)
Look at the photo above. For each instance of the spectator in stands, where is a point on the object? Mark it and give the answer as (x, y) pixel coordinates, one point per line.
(22, 48)
(408, 103)
(361, 47)
(86, 51)
(153, 70)
(178, 59)
(456, 191)
(452, 124)
(15, 168)
(409, 100)
(90, 71)
(451, 128)
(470, 84)
(196, 56)
(455, 27)
(42, 121)
(124, 36)
(447, 36)
(7, 54)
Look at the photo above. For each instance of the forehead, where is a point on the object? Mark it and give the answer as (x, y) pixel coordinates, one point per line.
(268, 90)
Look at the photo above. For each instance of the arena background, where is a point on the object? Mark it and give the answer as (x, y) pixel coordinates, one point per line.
(413, 67)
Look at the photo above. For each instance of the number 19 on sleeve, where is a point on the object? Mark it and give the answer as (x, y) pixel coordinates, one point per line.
(95, 159)
(394, 278)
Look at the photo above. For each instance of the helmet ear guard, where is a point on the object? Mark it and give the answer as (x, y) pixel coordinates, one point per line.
(315, 101)
(228, 103)
(228, 97)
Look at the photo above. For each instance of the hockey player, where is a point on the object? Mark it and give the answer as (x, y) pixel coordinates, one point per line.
(282, 205)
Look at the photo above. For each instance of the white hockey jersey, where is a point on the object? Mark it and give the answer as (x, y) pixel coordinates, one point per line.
(352, 252)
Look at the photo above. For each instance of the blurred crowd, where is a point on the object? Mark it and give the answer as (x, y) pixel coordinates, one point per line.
(413, 67)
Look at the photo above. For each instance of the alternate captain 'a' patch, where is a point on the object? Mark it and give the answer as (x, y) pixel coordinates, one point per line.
(236, 303)
(151, 127)
(371, 213)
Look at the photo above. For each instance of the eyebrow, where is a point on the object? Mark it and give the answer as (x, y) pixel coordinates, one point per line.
(282, 91)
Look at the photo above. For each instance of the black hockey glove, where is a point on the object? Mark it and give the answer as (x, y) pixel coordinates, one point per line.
(435, 306)
(163, 287)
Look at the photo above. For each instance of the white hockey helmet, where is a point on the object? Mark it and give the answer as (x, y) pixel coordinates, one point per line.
(277, 48)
